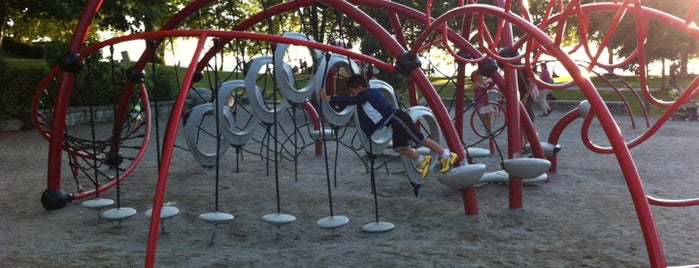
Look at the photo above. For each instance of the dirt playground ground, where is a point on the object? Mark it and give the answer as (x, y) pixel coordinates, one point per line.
(582, 218)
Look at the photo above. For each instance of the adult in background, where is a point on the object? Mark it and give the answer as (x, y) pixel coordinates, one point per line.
(525, 87)
(542, 97)
(674, 70)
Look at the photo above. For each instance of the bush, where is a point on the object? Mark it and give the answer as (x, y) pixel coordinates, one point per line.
(165, 85)
(25, 50)
(55, 52)
(93, 85)
(18, 91)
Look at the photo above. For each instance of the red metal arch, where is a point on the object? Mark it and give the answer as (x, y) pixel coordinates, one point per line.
(396, 47)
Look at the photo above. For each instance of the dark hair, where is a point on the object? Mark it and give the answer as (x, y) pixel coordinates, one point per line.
(507, 52)
(357, 80)
(488, 67)
(474, 75)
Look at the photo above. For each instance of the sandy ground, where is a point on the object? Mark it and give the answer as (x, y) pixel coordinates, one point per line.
(582, 218)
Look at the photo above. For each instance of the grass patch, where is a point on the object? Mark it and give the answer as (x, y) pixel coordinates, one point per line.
(25, 64)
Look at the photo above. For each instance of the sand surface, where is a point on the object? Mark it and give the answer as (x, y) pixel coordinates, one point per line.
(583, 217)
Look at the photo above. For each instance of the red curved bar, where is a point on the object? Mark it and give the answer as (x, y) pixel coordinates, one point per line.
(556, 132)
(534, 39)
(63, 97)
(168, 147)
(316, 124)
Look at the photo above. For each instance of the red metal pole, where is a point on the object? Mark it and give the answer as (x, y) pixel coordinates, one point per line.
(168, 147)
(316, 125)
(65, 85)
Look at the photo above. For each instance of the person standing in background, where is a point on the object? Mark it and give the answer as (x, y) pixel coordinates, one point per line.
(674, 70)
(541, 98)
(480, 88)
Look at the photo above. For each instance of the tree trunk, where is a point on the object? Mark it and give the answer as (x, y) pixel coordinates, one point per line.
(662, 73)
(159, 52)
(684, 60)
(3, 21)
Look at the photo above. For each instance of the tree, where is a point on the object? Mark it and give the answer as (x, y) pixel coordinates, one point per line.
(663, 42)
(4, 17)
(29, 21)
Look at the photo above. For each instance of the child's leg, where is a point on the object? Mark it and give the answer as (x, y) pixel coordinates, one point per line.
(423, 161)
(433, 146)
(541, 101)
(486, 121)
(412, 154)
(446, 157)
(405, 136)
(545, 101)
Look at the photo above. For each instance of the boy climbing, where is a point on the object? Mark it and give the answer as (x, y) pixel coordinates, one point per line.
(374, 111)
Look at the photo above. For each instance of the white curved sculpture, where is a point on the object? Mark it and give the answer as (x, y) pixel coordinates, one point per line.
(257, 100)
(550, 150)
(501, 176)
(331, 116)
(477, 152)
(525, 168)
(234, 134)
(416, 113)
(463, 176)
(206, 158)
(285, 78)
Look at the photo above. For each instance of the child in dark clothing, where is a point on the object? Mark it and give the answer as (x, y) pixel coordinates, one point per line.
(374, 111)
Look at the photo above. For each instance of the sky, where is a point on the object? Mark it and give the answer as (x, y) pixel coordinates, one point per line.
(184, 50)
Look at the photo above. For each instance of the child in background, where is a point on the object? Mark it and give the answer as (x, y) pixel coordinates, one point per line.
(480, 95)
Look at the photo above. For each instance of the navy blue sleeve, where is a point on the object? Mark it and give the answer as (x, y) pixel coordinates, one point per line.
(347, 100)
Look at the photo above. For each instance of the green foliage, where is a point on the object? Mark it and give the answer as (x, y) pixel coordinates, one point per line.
(20, 84)
(398, 81)
(22, 49)
(98, 83)
(164, 86)
(40, 20)
(101, 83)
(55, 51)
(94, 84)
(663, 41)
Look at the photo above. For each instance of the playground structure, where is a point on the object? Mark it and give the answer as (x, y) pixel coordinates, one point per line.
(125, 145)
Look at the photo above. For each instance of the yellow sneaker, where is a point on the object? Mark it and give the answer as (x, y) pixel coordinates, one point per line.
(447, 162)
(424, 167)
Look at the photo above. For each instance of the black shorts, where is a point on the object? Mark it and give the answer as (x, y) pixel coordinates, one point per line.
(405, 133)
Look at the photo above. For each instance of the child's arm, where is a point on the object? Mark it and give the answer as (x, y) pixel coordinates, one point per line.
(342, 100)
(323, 96)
